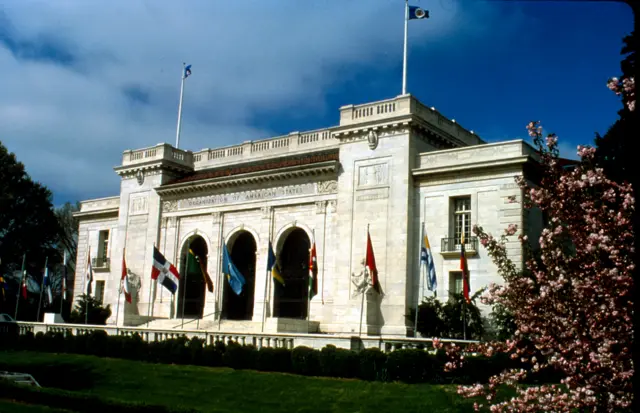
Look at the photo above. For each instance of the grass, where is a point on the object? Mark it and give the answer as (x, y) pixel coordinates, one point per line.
(222, 389)
(7, 406)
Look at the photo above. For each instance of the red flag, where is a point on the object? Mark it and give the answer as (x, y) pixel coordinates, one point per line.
(24, 285)
(125, 280)
(313, 272)
(370, 263)
(465, 271)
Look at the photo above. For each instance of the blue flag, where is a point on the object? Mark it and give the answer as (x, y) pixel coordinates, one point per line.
(187, 71)
(427, 266)
(235, 278)
(47, 285)
(418, 13)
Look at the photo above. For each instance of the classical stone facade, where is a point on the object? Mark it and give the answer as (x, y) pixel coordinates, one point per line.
(387, 168)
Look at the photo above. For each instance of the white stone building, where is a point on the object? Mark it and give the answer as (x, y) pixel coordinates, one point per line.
(387, 166)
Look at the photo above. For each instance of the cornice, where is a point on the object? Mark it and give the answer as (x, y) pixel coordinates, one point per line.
(401, 124)
(470, 167)
(287, 173)
(151, 166)
(96, 213)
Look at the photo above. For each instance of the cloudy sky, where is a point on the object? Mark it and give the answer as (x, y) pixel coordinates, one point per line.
(83, 80)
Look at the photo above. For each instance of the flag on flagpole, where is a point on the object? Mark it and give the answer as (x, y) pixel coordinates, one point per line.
(273, 267)
(234, 276)
(465, 271)
(313, 271)
(3, 286)
(416, 12)
(24, 284)
(124, 279)
(187, 71)
(203, 271)
(64, 276)
(427, 266)
(46, 282)
(370, 265)
(164, 272)
(88, 274)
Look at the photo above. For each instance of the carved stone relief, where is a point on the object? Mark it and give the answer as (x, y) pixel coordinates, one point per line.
(371, 175)
(327, 187)
(266, 212)
(215, 217)
(332, 206)
(169, 206)
(138, 205)
(321, 207)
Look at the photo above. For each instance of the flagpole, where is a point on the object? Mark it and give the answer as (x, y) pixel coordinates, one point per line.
(24, 260)
(266, 280)
(365, 289)
(86, 290)
(46, 261)
(220, 274)
(184, 65)
(415, 323)
(149, 303)
(63, 281)
(464, 319)
(120, 289)
(404, 58)
(184, 286)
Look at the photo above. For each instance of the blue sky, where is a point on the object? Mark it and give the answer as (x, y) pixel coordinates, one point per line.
(84, 80)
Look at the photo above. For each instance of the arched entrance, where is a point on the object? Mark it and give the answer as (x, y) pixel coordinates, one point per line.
(191, 293)
(242, 249)
(291, 300)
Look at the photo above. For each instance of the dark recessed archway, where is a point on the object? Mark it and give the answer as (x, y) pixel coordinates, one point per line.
(242, 249)
(291, 300)
(191, 294)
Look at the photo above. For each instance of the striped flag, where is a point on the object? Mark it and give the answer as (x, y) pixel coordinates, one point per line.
(370, 264)
(465, 271)
(164, 272)
(124, 279)
(427, 266)
(273, 267)
(64, 276)
(88, 274)
(313, 272)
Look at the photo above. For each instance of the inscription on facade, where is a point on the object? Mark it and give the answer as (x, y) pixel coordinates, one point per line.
(372, 195)
(371, 175)
(139, 205)
(248, 196)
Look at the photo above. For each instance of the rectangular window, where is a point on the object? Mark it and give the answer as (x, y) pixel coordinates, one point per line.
(103, 247)
(99, 295)
(455, 282)
(461, 219)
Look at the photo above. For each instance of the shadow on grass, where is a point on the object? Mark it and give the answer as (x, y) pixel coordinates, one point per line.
(57, 375)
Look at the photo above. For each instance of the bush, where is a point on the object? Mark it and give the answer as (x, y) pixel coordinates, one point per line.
(212, 356)
(239, 357)
(273, 359)
(372, 364)
(337, 362)
(305, 361)
(410, 366)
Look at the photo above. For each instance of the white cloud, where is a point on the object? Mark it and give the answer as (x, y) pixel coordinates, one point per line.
(70, 124)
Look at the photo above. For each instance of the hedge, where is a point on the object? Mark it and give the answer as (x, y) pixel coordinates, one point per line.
(406, 365)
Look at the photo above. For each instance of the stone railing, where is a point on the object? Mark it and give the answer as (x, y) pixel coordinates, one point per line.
(403, 106)
(477, 155)
(281, 145)
(99, 204)
(271, 340)
(162, 151)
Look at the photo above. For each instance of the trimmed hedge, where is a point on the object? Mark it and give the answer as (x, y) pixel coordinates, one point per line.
(406, 365)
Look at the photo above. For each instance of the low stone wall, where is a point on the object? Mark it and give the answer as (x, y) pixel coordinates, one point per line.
(259, 340)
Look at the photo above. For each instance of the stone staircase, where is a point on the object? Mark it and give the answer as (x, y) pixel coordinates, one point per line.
(20, 378)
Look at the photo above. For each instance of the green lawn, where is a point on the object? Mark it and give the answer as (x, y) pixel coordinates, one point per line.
(11, 407)
(222, 389)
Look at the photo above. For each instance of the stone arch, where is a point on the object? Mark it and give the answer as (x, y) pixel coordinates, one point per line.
(242, 244)
(292, 251)
(191, 294)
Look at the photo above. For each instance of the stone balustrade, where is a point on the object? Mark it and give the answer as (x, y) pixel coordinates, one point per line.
(479, 155)
(259, 340)
(100, 204)
(162, 151)
(281, 145)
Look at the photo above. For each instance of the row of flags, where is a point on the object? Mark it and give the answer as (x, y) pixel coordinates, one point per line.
(46, 285)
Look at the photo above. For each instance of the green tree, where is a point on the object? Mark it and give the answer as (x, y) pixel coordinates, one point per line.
(615, 150)
(28, 224)
(86, 304)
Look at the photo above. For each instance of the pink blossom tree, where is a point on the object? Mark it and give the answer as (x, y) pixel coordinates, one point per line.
(572, 303)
